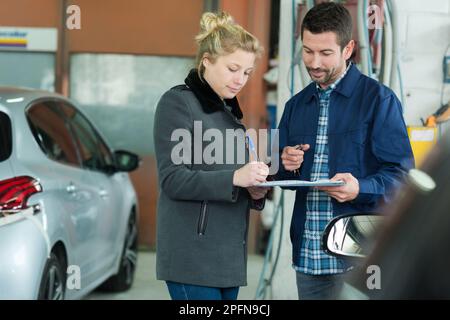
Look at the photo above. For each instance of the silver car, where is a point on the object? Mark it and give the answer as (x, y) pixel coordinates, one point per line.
(68, 211)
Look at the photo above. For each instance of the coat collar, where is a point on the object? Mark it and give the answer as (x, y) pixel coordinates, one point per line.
(345, 86)
(209, 100)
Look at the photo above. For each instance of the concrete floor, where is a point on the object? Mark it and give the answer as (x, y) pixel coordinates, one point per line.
(146, 287)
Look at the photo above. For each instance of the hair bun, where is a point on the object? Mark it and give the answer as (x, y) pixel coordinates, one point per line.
(211, 21)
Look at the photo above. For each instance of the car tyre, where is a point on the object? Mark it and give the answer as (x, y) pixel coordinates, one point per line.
(123, 280)
(53, 281)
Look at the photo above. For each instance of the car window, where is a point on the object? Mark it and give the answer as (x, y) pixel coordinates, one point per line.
(5, 137)
(51, 133)
(95, 154)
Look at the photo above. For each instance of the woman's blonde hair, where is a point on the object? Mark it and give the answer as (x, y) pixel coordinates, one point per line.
(220, 35)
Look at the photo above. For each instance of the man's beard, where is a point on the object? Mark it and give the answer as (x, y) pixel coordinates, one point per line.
(330, 74)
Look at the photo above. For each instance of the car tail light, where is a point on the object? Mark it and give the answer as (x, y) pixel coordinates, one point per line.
(14, 193)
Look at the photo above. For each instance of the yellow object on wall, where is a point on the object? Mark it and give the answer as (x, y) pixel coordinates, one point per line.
(422, 141)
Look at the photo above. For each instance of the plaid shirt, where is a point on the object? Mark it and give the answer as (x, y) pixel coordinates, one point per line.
(319, 209)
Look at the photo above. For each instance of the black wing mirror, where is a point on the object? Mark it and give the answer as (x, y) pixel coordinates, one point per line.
(352, 235)
(126, 161)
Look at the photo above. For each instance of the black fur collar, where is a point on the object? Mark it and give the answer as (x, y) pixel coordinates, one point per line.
(209, 100)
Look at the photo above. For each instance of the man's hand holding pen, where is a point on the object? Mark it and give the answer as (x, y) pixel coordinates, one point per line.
(292, 157)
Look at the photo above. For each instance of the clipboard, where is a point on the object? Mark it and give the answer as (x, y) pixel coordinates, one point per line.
(302, 183)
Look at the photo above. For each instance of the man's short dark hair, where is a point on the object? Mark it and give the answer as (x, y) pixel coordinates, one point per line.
(329, 16)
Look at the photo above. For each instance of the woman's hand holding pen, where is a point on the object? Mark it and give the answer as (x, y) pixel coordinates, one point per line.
(251, 174)
(292, 157)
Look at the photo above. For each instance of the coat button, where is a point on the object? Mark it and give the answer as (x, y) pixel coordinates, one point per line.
(243, 242)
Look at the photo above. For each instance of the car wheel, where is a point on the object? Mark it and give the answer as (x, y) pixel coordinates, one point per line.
(53, 284)
(123, 280)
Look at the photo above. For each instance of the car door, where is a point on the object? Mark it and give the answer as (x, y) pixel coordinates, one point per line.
(73, 200)
(97, 158)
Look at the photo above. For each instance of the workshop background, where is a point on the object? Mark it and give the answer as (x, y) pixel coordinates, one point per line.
(127, 53)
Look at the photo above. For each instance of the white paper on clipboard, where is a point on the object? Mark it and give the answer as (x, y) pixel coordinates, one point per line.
(302, 183)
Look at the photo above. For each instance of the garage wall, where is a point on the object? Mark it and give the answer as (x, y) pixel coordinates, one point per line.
(30, 13)
(38, 70)
(424, 31)
(138, 26)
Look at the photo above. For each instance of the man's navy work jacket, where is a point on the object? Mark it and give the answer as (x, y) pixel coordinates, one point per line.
(367, 137)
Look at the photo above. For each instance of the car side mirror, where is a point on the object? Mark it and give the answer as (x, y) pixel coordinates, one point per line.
(351, 235)
(126, 161)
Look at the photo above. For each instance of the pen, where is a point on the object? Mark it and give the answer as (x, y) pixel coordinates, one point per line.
(252, 147)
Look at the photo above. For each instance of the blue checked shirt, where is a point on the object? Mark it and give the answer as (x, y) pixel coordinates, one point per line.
(319, 209)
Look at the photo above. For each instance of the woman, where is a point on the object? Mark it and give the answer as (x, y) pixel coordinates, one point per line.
(203, 207)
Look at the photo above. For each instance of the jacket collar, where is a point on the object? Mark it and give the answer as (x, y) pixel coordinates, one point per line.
(345, 86)
(209, 100)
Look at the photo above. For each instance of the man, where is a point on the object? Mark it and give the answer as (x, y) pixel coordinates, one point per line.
(343, 126)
